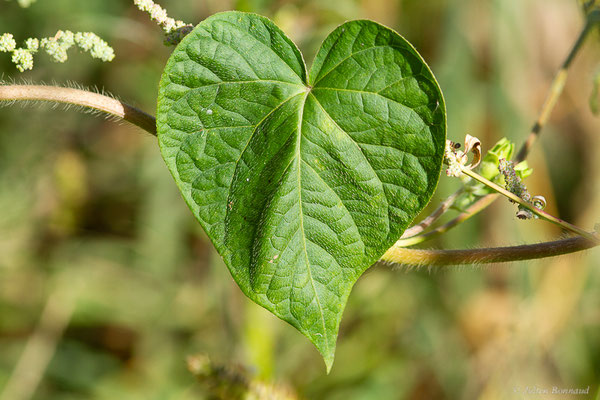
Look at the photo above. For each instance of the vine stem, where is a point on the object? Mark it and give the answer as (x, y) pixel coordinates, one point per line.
(471, 211)
(413, 257)
(395, 255)
(556, 89)
(82, 98)
(431, 218)
(540, 213)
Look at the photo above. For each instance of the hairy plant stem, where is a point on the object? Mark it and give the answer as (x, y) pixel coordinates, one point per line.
(402, 256)
(556, 89)
(84, 98)
(397, 254)
(413, 257)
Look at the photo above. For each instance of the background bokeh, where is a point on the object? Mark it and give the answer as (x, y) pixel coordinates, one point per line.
(104, 271)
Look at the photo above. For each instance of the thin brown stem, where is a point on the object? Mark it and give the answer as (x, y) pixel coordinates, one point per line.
(434, 216)
(472, 210)
(396, 254)
(556, 88)
(82, 98)
(412, 257)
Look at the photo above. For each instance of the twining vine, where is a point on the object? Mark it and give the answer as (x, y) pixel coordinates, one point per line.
(399, 254)
(300, 256)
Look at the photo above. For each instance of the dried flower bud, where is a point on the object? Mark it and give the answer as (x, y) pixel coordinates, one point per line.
(473, 145)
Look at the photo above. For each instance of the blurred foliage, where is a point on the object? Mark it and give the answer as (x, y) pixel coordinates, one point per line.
(89, 212)
(595, 96)
(234, 382)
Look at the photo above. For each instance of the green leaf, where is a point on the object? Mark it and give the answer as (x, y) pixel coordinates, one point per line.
(488, 168)
(301, 182)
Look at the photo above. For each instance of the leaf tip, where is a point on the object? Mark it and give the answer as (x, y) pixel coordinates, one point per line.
(328, 358)
(327, 352)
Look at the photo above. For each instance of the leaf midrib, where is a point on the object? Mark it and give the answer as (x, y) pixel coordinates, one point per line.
(308, 264)
(262, 54)
(361, 152)
(233, 178)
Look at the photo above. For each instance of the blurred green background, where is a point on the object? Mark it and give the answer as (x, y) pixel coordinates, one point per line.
(105, 274)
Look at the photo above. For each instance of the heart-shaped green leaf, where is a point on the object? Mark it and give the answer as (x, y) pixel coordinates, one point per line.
(301, 182)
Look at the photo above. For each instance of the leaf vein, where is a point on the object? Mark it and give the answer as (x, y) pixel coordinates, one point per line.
(352, 55)
(308, 268)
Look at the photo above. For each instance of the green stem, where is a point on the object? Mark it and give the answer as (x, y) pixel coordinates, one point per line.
(83, 98)
(396, 254)
(542, 214)
(556, 89)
